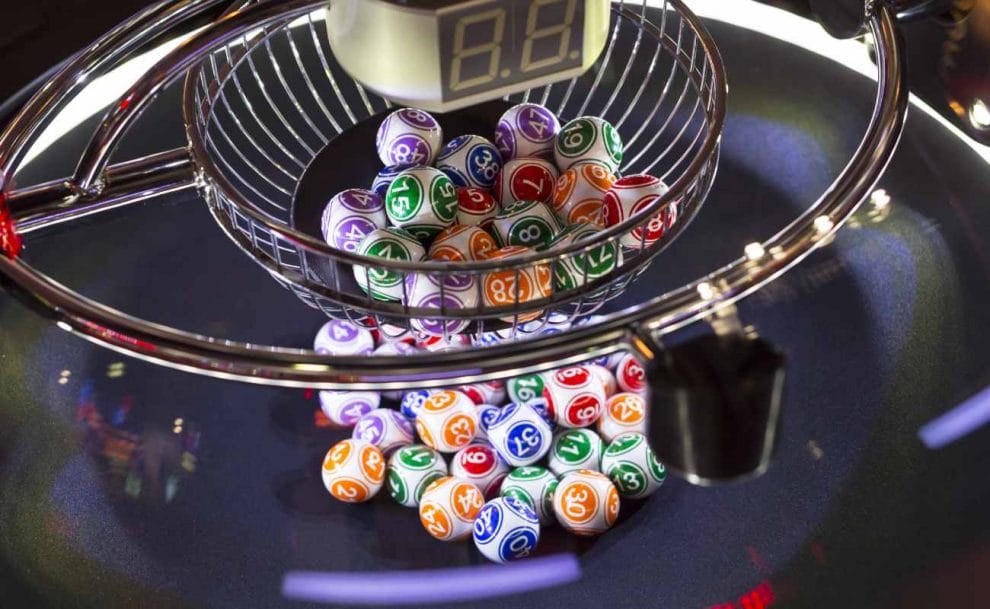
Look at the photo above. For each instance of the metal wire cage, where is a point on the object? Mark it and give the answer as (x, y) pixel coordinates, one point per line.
(260, 109)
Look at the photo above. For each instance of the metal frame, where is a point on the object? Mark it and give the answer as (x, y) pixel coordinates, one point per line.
(636, 327)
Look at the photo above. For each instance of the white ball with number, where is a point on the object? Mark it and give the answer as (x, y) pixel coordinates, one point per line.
(526, 130)
(409, 136)
(525, 179)
(476, 207)
(514, 287)
(345, 408)
(380, 282)
(448, 421)
(423, 201)
(342, 337)
(411, 469)
(586, 503)
(534, 486)
(350, 216)
(487, 414)
(353, 470)
(632, 466)
(491, 392)
(588, 139)
(461, 243)
(624, 413)
(632, 195)
(629, 374)
(520, 435)
(576, 396)
(525, 388)
(470, 160)
(386, 429)
(574, 449)
(577, 269)
(440, 294)
(526, 223)
(579, 193)
(480, 465)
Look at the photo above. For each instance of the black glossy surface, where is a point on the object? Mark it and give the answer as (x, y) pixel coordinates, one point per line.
(884, 329)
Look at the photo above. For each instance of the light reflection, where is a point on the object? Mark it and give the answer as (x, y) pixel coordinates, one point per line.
(754, 251)
(979, 115)
(823, 225)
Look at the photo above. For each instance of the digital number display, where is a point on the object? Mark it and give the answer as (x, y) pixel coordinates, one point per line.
(488, 45)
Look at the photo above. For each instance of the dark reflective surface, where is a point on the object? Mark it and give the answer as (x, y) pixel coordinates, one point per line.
(104, 504)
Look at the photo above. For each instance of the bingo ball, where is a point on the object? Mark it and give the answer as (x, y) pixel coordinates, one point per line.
(423, 201)
(448, 421)
(525, 223)
(586, 502)
(487, 414)
(506, 529)
(341, 337)
(441, 294)
(579, 193)
(624, 413)
(526, 130)
(588, 139)
(578, 268)
(476, 207)
(353, 470)
(514, 287)
(350, 216)
(385, 178)
(479, 464)
(631, 195)
(448, 508)
(390, 244)
(461, 244)
(606, 378)
(525, 179)
(525, 388)
(386, 429)
(575, 449)
(632, 466)
(345, 408)
(412, 403)
(411, 469)
(409, 136)
(575, 395)
(629, 374)
(520, 435)
(470, 160)
(535, 487)
(543, 409)
(439, 344)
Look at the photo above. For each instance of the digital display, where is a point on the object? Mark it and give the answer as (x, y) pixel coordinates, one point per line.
(489, 45)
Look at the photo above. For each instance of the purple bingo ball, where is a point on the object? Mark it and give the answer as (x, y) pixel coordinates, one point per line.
(409, 136)
(526, 130)
(350, 216)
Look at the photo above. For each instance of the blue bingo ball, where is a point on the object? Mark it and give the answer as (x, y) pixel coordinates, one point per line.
(412, 403)
(470, 160)
(520, 435)
(385, 178)
(506, 529)
(487, 414)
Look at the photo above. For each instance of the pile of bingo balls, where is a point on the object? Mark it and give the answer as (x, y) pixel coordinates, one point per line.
(499, 461)
(537, 186)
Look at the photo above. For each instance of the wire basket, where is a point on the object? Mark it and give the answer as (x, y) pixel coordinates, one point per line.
(261, 109)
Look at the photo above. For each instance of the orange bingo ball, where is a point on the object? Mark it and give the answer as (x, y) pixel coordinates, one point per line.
(448, 508)
(512, 288)
(586, 502)
(353, 470)
(448, 421)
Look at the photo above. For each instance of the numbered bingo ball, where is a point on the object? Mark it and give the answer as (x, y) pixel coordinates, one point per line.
(534, 486)
(448, 508)
(353, 470)
(579, 193)
(634, 194)
(490, 392)
(438, 344)
(513, 288)
(606, 378)
(412, 403)
(588, 139)
(409, 136)
(632, 466)
(584, 266)
(479, 464)
(385, 177)
(520, 435)
(526, 130)
(586, 502)
(575, 449)
(476, 207)
(525, 388)
(411, 469)
(506, 529)
(423, 201)
(386, 429)
(461, 243)
(487, 414)
(350, 216)
(390, 244)
(441, 294)
(342, 337)
(624, 413)
(525, 223)
(470, 160)
(542, 408)
(575, 395)
(525, 179)
(345, 408)
(448, 421)
(629, 374)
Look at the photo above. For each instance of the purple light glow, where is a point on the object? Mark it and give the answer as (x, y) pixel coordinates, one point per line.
(431, 586)
(958, 422)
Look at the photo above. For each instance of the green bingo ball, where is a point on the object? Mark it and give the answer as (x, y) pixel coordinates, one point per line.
(525, 388)
(574, 449)
(411, 469)
(588, 139)
(526, 223)
(631, 465)
(391, 244)
(534, 486)
(584, 267)
(423, 201)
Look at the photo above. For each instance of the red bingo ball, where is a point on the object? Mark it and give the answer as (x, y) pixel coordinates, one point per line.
(475, 207)
(525, 179)
(630, 375)
(575, 396)
(631, 195)
(479, 464)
